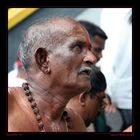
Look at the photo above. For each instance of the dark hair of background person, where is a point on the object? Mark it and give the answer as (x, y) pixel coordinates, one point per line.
(93, 29)
(98, 81)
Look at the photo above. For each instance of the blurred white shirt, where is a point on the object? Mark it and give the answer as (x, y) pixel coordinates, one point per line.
(116, 63)
(13, 80)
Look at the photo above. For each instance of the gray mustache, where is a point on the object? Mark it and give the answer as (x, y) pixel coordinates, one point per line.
(86, 70)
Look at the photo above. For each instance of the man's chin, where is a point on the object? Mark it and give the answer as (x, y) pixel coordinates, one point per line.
(86, 83)
(83, 84)
(85, 76)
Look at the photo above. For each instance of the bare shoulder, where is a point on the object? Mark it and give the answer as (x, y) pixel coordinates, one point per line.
(13, 108)
(11, 99)
(12, 95)
(76, 121)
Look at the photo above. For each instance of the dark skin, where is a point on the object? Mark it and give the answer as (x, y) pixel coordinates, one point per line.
(87, 107)
(98, 44)
(54, 78)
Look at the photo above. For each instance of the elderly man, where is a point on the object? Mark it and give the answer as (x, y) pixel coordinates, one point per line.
(57, 57)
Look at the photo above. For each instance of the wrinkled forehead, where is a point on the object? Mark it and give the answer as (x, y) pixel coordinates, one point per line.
(65, 25)
(71, 29)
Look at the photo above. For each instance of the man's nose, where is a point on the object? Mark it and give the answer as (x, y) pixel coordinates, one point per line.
(90, 57)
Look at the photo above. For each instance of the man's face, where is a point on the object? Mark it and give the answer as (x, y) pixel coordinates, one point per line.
(71, 61)
(98, 44)
(94, 106)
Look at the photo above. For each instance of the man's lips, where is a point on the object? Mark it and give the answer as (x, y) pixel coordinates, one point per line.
(85, 71)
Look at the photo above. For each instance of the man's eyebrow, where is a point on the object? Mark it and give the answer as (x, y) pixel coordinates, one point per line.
(78, 42)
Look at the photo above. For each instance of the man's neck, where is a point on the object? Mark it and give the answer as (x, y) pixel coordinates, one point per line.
(50, 104)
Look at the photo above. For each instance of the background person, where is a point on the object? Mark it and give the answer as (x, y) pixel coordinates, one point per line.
(91, 103)
(110, 120)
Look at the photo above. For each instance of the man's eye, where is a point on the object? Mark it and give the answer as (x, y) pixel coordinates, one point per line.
(78, 48)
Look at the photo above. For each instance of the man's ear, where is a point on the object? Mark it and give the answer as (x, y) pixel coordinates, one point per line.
(82, 99)
(41, 57)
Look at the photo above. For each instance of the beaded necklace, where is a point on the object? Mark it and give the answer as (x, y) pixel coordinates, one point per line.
(35, 109)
